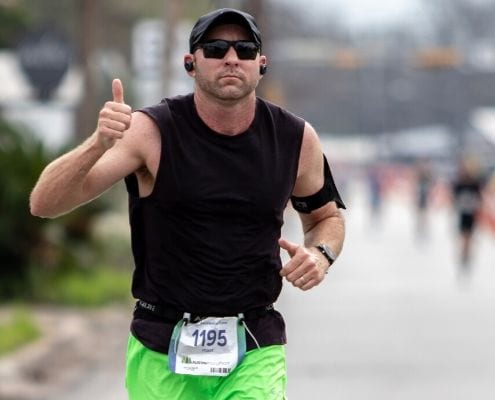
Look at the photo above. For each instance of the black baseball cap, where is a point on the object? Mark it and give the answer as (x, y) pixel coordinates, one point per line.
(220, 17)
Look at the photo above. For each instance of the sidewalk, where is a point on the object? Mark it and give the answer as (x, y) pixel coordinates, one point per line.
(74, 343)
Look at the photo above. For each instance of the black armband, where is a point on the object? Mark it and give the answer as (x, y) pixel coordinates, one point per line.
(326, 194)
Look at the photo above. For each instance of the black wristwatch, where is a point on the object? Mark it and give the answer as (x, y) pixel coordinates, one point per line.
(327, 252)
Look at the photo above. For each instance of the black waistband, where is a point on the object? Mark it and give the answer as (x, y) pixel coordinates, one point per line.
(171, 314)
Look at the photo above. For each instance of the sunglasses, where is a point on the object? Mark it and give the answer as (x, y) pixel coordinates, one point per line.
(245, 49)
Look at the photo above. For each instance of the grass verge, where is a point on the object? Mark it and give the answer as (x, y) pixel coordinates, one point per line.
(86, 288)
(17, 331)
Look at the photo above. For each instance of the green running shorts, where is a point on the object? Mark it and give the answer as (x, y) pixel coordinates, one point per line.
(262, 375)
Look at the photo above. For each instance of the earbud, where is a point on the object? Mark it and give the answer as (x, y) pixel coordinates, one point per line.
(263, 68)
(188, 65)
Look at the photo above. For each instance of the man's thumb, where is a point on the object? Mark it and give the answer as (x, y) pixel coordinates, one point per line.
(117, 91)
(290, 247)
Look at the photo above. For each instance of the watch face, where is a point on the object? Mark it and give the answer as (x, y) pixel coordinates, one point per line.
(327, 252)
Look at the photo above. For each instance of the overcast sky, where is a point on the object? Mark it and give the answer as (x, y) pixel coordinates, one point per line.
(363, 12)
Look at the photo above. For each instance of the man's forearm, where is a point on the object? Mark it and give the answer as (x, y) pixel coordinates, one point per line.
(60, 186)
(329, 230)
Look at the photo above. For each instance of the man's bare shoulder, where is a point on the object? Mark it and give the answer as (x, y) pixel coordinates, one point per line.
(310, 158)
(143, 140)
(143, 128)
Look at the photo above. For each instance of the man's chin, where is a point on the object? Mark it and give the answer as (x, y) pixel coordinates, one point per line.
(231, 94)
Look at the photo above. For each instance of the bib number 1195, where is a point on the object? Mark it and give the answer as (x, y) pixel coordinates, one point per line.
(213, 346)
(209, 338)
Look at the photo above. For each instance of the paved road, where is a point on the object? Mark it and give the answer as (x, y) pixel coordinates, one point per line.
(393, 320)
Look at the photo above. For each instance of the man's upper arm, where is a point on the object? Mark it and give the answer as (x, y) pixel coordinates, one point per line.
(314, 185)
(127, 155)
(309, 175)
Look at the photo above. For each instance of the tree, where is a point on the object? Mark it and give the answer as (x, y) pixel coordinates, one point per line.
(20, 162)
(26, 242)
(13, 20)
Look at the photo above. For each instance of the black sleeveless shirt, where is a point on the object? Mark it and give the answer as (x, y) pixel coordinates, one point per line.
(205, 240)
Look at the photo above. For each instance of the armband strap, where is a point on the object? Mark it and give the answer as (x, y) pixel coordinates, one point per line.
(326, 194)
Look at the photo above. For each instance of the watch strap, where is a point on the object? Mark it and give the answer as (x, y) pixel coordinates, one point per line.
(327, 253)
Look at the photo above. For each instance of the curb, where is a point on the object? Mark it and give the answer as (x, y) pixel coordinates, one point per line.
(72, 340)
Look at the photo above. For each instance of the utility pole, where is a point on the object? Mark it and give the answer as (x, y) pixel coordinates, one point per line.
(86, 112)
(257, 10)
(173, 12)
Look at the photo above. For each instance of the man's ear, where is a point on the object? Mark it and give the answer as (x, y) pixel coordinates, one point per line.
(263, 65)
(189, 64)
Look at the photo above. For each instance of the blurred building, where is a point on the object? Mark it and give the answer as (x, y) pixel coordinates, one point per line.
(52, 121)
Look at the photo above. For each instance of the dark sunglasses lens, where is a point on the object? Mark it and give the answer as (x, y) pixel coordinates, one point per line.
(246, 50)
(216, 49)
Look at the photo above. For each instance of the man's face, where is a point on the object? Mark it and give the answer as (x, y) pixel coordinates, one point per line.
(228, 78)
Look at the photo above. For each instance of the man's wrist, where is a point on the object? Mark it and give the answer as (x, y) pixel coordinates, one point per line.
(327, 253)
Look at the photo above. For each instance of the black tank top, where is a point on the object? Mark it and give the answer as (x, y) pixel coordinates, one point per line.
(205, 240)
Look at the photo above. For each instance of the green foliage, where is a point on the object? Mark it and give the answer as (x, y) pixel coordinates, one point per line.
(13, 21)
(27, 242)
(21, 161)
(17, 331)
(84, 287)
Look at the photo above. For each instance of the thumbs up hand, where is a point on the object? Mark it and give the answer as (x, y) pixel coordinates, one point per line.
(114, 118)
(304, 269)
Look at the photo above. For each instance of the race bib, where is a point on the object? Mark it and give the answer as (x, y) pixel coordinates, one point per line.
(212, 346)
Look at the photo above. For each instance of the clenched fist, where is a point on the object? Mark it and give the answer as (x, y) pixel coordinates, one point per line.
(114, 118)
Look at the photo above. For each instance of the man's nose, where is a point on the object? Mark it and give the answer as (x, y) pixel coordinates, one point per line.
(231, 56)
